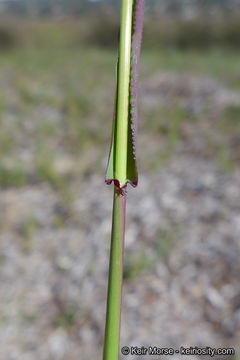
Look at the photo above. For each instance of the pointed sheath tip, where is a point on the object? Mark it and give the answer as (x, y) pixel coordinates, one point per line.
(122, 189)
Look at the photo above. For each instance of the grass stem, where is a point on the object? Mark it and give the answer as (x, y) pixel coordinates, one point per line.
(113, 313)
(123, 82)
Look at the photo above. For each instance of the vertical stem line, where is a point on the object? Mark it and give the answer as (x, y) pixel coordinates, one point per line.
(123, 92)
(113, 313)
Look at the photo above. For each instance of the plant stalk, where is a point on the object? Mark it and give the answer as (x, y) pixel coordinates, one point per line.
(113, 313)
(118, 171)
(123, 83)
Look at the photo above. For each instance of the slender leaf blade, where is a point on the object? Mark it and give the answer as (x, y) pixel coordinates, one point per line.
(122, 162)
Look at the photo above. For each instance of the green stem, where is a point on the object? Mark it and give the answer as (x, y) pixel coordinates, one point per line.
(123, 92)
(113, 314)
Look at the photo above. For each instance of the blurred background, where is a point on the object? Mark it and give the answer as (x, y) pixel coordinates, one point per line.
(182, 249)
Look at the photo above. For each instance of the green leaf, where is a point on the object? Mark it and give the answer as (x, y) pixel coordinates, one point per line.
(122, 166)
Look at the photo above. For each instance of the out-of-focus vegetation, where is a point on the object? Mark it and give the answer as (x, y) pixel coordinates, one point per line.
(178, 33)
(76, 8)
(49, 123)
